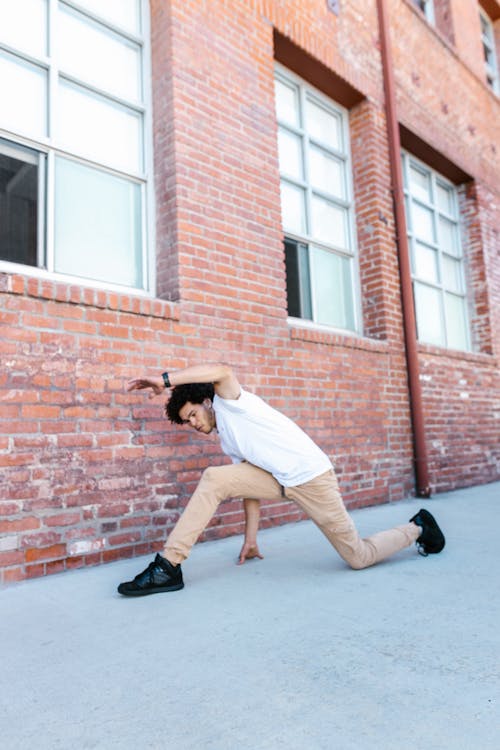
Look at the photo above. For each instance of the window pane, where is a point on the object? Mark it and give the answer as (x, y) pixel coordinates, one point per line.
(422, 221)
(287, 103)
(329, 222)
(290, 154)
(326, 173)
(18, 206)
(97, 225)
(23, 94)
(426, 263)
(292, 279)
(452, 274)
(444, 197)
(323, 125)
(98, 129)
(448, 240)
(332, 289)
(298, 283)
(420, 184)
(429, 314)
(456, 321)
(114, 64)
(23, 25)
(125, 13)
(293, 209)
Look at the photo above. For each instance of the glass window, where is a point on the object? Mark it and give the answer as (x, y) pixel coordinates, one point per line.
(428, 309)
(323, 125)
(115, 62)
(99, 129)
(420, 183)
(298, 280)
(427, 8)
(16, 32)
(425, 263)
(317, 210)
(123, 13)
(436, 257)
(109, 246)
(456, 321)
(19, 200)
(489, 51)
(293, 208)
(422, 222)
(329, 222)
(331, 277)
(287, 104)
(290, 154)
(23, 93)
(92, 201)
(326, 172)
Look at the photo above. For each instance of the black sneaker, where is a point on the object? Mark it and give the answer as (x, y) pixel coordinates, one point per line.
(160, 575)
(431, 540)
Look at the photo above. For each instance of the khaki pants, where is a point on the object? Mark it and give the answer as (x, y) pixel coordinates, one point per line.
(320, 499)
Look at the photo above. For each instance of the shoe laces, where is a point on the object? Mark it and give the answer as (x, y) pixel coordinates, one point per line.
(150, 570)
(421, 550)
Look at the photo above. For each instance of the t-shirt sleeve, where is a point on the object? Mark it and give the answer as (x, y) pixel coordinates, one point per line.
(235, 404)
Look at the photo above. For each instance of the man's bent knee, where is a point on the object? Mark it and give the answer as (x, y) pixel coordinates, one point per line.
(210, 474)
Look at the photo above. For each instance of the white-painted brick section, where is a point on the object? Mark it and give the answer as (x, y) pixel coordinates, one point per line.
(85, 547)
(8, 542)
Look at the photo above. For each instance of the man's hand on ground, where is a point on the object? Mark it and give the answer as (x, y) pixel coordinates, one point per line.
(249, 551)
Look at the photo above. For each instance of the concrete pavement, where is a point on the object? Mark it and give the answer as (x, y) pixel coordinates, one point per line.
(296, 651)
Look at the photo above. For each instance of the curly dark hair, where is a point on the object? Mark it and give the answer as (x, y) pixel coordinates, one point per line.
(196, 393)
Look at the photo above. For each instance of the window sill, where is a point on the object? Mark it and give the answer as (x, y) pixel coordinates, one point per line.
(77, 294)
(440, 351)
(331, 337)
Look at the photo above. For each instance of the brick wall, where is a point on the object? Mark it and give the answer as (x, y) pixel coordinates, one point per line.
(92, 474)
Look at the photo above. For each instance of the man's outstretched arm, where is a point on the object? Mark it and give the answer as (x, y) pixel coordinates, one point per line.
(225, 382)
(252, 516)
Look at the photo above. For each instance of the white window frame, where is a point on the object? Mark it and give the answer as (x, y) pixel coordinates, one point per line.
(306, 90)
(437, 179)
(48, 150)
(490, 55)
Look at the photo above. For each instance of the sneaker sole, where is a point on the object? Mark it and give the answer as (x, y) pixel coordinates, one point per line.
(148, 592)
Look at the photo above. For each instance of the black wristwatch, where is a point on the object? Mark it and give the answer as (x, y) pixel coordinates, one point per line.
(166, 380)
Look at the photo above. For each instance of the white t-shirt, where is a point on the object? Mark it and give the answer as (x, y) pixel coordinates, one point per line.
(251, 430)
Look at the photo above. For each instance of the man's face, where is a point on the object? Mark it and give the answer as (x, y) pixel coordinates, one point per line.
(199, 416)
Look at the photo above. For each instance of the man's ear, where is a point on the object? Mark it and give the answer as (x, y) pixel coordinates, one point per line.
(207, 403)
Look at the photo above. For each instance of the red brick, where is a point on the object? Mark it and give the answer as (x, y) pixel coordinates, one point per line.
(46, 553)
(62, 519)
(11, 557)
(70, 435)
(35, 571)
(122, 539)
(12, 575)
(40, 412)
(23, 524)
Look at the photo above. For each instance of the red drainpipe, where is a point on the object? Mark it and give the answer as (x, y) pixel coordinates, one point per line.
(415, 390)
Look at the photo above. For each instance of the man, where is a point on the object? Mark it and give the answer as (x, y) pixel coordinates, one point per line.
(272, 458)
